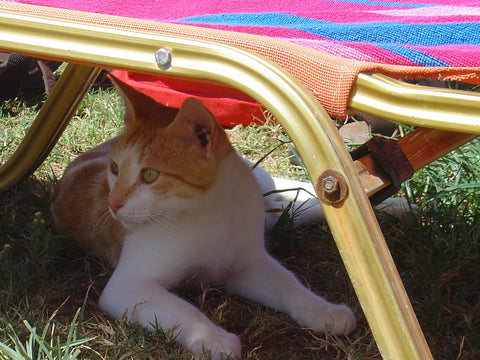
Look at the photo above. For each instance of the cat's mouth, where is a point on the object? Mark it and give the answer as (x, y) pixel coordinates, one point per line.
(128, 220)
(147, 217)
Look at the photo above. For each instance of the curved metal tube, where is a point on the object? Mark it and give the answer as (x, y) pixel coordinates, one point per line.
(422, 106)
(352, 221)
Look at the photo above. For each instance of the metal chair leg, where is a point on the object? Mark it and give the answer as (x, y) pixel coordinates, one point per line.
(49, 124)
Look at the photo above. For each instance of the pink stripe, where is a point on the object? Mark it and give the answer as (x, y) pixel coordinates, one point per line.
(454, 55)
(363, 52)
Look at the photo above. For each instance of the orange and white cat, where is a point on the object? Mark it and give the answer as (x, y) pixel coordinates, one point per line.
(170, 198)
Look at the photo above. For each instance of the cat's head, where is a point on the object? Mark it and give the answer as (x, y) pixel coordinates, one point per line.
(165, 162)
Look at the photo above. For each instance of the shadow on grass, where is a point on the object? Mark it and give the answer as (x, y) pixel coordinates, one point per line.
(437, 258)
(41, 274)
(38, 270)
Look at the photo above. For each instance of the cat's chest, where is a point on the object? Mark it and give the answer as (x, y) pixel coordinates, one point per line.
(170, 255)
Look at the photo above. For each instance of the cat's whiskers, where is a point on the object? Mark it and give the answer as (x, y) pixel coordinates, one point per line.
(102, 220)
(162, 221)
(160, 226)
(148, 217)
(157, 214)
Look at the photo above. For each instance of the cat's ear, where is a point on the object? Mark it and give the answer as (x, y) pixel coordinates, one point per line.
(139, 106)
(196, 121)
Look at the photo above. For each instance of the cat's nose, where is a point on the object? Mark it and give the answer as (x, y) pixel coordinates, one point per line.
(114, 207)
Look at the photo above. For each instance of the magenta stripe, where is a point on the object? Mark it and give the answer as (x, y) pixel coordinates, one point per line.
(461, 56)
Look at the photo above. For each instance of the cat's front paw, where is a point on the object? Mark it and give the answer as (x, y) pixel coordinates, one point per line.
(333, 318)
(215, 343)
(342, 322)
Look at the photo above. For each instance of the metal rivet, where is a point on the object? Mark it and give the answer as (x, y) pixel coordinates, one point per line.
(163, 58)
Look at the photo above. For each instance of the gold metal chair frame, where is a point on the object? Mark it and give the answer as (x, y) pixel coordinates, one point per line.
(88, 48)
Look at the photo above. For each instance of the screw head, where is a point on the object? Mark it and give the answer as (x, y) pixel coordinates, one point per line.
(163, 58)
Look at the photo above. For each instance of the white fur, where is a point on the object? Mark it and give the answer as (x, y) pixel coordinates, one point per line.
(222, 243)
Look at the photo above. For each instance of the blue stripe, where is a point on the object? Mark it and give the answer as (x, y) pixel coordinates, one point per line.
(415, 56)
(372, 33)
(381, 3)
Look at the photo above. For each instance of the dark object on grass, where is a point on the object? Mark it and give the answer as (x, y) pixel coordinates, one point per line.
(19, 72)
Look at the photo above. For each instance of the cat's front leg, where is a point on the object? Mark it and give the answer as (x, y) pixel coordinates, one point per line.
(265, 281)
(152, 306)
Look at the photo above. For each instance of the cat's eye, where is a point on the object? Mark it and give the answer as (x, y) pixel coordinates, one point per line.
(150, 175)
(114, 167)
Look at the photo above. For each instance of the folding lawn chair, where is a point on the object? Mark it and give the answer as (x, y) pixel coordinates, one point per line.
(296, 58)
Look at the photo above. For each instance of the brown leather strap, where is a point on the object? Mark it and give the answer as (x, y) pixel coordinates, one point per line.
(392, 160)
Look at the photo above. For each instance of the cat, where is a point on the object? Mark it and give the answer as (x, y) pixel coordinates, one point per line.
(169, 198)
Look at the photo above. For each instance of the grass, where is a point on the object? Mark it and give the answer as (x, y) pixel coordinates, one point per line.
(37, 346)
(49, 290)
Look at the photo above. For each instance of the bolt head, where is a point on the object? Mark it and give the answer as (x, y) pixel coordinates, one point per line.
(163, 58)
(329, 184)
